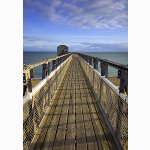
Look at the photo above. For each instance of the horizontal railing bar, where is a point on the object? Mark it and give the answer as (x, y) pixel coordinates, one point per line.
(36, 64)
(112, 103)
(109, 62)
(110, 84)
(113, 64)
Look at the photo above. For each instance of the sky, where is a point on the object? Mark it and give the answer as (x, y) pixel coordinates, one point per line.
(82, 25)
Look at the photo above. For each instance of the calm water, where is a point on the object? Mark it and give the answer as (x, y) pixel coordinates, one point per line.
(31, 57)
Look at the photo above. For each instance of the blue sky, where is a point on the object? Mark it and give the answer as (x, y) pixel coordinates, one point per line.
(83, 25)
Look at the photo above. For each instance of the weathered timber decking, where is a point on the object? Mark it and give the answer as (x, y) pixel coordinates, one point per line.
(72, 120)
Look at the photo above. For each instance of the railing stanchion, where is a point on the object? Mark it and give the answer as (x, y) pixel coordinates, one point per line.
(104, 69)
(95, 64)
(123, 76)
(53, 64)
(58, 62)
(31, 73)
(113, 105)
(27, 84)
(48, 68)
(44, 70)
(90, 60)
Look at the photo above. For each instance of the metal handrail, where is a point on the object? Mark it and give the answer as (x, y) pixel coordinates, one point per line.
(113, 104)
(41, 62)
(36, 103)
(48, 66)
(108, 62)
(122, 69)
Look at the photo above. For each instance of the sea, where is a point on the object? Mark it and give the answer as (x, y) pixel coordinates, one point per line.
(31, 57)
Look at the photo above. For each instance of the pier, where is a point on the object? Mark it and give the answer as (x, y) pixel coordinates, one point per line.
(75, 107)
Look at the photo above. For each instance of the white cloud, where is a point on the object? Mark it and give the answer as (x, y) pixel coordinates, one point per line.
(38, 41)
(47, 44)
(83, 13)
(101, 47)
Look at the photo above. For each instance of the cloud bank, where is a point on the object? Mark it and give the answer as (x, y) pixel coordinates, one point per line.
(98, 14)
(46, 44)
(100, 47)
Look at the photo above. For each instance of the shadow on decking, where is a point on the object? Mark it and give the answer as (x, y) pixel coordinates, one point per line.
(74, 127)
(73, 104)
(69, 123)
(72, 141)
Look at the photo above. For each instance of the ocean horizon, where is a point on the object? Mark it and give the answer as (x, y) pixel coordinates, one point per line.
(32, 57)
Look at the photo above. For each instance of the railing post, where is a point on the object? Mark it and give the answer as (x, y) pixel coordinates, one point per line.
(123, 76)
(83, 57)
(90, 60)
(118, 118)
(87, 59)
(95, 61)
(27, 84)
(48, 67)
(63, 59)
(104, 69)
(53, 64)
(57, 62)
(60, 60)
(44, 70)
(31, 73)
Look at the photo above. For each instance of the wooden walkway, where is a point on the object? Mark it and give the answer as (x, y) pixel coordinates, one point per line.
(72, 120)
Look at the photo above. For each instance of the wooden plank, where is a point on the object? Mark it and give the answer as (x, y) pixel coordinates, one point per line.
(104, 138)
(81, 136)
(73, 122)
(61, 131)
(84, 92)
(44, 128)
(71, 131)
(93, 120)
(108, 135)
(50, 136)
(90, 135)
(99, 133)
